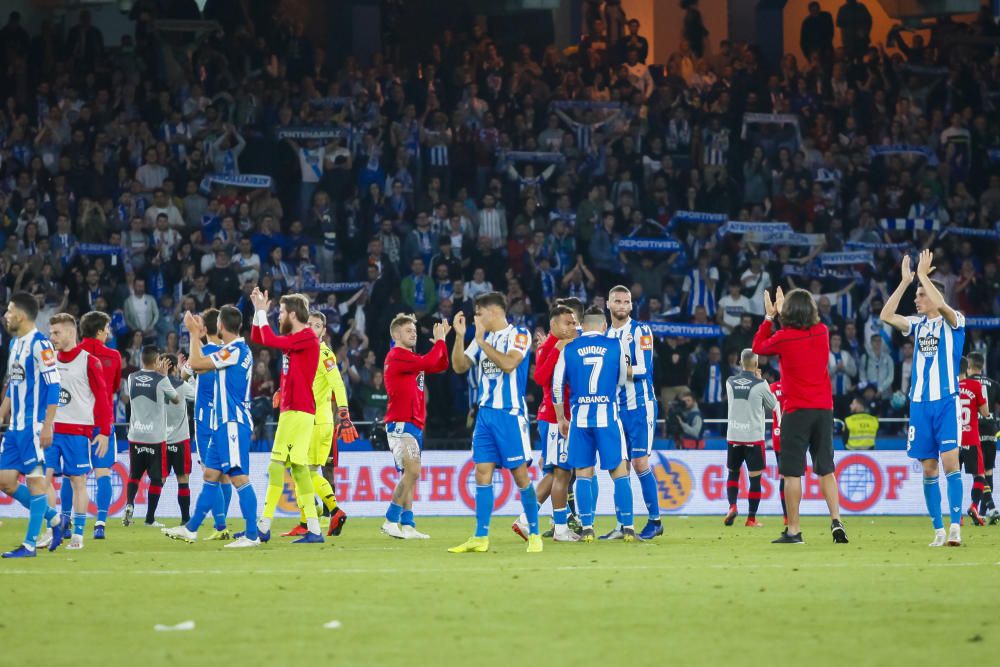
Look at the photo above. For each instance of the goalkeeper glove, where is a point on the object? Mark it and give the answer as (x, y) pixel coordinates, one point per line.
(345, 427)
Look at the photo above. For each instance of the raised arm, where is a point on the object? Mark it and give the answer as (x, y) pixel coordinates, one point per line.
(460, 362)
(505, 361)
(924, 269)
(888, 313)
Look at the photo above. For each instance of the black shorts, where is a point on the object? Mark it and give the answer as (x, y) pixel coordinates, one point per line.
(989, 454)
(802, 431)
(971, 459)
(177, 458)
(752, 454)
(146, 458)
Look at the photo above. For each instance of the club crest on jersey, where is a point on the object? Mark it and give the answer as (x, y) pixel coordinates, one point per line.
(17, 373)
(928, 345)
(48, 356)
(420, 382)
(627, 338)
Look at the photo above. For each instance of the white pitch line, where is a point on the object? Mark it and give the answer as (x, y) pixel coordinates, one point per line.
(497, 569)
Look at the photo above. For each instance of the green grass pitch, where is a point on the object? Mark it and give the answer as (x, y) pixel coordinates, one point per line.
(701, 595)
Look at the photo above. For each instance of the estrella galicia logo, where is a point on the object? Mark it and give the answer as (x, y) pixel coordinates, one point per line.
(64, 397)
(674, 482)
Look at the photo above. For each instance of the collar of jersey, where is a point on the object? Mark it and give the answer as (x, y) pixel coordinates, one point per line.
(591, 333)
(30, 333)
(622, 327)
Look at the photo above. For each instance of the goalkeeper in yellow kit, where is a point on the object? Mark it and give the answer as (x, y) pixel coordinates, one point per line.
(326, 385)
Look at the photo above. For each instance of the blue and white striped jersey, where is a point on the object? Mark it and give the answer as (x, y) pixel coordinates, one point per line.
(499, 390)
(204, 385)
(595, 368)
(713, 384)
(937, 349)
(233, 368)
(637, 342)
(32, 380)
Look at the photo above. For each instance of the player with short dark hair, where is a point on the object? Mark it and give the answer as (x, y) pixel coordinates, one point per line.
(557, 471)
(31, 401)
(501, 437)
(82, 409)
(987, 433)
(300, 346)
(228, 449)
(975, 405)
(147, 390)
(404, 372)
(204, 427)
(595, 367)
(938, 331)
(177, 448)
(749, 399)
(95, 330)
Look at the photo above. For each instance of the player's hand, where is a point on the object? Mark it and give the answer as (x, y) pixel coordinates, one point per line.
(101, 441)
(458, 323)
(345, 427)
(259, 299)
(276, 399)
(45, 437)
(163, 366)
(906, 270)
(779, 301)
(181, 360)
(564, 426)
(561, 343)
(441, 330)
(924, 264)
(539, 339)
(769, 308)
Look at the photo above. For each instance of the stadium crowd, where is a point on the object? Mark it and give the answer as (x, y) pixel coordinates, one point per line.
(161, 176)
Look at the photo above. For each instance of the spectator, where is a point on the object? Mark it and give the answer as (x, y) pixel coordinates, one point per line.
(855, 23)
(878, 370)
(418, 292)
(141, 311)
(816, 36)
(691, 425)
(374, 399)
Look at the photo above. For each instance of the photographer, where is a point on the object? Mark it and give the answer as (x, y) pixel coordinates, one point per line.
(684, 423)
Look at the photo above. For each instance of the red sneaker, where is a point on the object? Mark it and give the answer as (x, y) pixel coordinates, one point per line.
(337, 520)
(977, 518)
(731, 516)
(752, 522)
(298, 531)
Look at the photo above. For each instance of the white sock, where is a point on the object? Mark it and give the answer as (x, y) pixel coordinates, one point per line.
(312, 523)
(98, 523)
(77, 539)
(264, 523)
(523, 518)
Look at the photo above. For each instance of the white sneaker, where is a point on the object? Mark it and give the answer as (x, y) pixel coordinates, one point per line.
(939, 538)
(955, 535)
(75, 543)
(45, 540)
(155, 524)
(392, 530)
(181, 533)
(564, 534)
(411, 533)
(243, 541)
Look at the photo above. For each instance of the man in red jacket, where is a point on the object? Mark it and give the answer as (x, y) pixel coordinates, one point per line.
(405, 415)
(803, 350)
